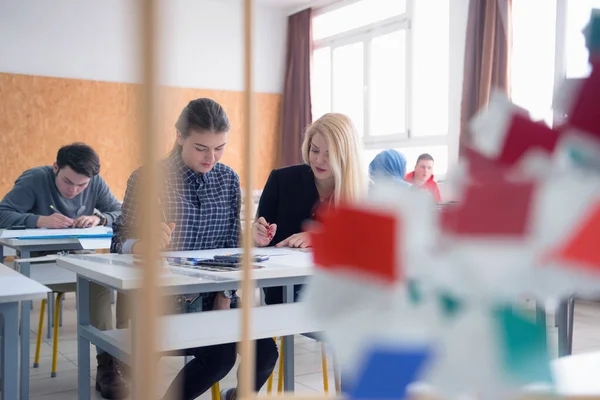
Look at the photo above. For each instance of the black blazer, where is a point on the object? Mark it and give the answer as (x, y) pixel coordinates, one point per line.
(288, 200)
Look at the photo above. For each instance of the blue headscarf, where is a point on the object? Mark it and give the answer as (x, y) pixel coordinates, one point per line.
(389, 163)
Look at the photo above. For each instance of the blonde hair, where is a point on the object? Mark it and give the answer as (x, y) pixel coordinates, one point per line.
(344, 157)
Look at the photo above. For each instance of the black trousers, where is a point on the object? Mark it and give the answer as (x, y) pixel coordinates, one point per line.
(274, 295)
(211, 364)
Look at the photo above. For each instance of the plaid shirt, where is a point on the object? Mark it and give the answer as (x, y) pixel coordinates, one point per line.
(204, 207)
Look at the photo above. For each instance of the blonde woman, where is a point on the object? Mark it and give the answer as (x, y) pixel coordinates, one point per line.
(331, 174)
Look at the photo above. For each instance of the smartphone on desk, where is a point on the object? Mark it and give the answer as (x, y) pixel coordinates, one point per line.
(237, 258)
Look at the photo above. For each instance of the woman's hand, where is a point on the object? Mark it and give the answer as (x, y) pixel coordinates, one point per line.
(263, 232)
(299, 240)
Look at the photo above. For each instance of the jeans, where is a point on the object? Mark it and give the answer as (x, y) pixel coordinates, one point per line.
(274, 295)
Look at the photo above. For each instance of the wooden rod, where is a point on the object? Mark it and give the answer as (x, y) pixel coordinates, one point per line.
(148, 299)
(246, 384)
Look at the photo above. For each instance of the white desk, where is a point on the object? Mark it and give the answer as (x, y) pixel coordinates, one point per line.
(574, 376)
(24, 248)
(577, 375)
(187, 331)
(285, 268)
(15, 288)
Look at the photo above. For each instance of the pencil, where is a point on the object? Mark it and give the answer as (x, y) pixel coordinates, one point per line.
(163, 211)
(55, 210)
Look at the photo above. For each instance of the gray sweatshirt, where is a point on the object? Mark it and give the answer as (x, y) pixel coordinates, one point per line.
(35, 191)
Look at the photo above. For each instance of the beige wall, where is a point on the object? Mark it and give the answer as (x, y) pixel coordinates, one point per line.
(40, 114)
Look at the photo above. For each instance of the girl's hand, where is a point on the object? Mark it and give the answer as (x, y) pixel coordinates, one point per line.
(263, 232)
(299, 240)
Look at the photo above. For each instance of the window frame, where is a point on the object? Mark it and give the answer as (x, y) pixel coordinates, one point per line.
(560, 57)
(365, 34)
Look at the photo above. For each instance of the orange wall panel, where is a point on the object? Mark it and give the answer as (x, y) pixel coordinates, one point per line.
(40, 114)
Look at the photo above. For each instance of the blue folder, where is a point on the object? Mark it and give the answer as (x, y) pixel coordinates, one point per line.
(102, 236)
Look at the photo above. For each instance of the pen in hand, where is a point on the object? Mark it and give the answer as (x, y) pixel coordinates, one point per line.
(55, 210)
(56, 220)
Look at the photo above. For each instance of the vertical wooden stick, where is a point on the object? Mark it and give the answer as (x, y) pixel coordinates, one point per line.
(245, 385)
(148, 299)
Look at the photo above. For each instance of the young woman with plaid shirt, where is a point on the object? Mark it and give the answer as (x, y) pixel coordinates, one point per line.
(201, 200)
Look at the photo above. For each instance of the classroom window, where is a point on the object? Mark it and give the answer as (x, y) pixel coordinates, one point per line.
(355, 15)
(347, 82)
(553, 51)
(385, 63)
(576, 54)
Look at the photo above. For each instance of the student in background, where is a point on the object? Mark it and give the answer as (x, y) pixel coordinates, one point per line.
(422, 176)
(389, 163)
(201, 199)
(68, 194)
(330, 174)
(64, 195)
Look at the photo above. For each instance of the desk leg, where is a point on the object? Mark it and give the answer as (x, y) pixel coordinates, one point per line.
(570, 324)
(10, 359)
(83, 345)
(563, 335)
(288, 344)
(25, 331)
(50, 314)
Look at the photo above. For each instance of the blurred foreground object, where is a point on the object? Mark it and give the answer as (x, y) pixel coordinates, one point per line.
(410, 292)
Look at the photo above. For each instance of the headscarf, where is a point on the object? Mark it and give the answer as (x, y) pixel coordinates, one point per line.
(389, 163)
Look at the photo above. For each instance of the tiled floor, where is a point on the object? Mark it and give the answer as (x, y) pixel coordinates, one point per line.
(308, 356)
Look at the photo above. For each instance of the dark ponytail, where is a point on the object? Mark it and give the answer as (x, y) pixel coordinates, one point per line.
(203, 115)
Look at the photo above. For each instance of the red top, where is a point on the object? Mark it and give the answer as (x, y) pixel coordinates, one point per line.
(429, 184)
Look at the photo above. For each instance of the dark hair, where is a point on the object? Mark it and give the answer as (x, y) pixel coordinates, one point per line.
(424, 157)
(201, 115)
(80, 157)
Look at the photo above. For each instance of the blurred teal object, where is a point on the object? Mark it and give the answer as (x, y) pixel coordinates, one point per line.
(592, 32)
(523, 346)
(450, 305)
(414, 293)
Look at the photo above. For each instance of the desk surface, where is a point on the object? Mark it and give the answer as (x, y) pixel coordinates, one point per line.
(120, 272)
(17, 287)
(578, 374)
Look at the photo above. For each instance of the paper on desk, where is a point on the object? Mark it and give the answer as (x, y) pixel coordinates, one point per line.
(96, 243)
(77, 232)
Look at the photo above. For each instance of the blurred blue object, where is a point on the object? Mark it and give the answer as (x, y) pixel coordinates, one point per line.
(387, 372)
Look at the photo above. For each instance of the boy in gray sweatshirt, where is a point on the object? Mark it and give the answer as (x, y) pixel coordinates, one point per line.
(71, 194)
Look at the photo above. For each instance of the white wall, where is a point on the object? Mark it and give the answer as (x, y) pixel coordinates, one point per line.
(201, 42)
